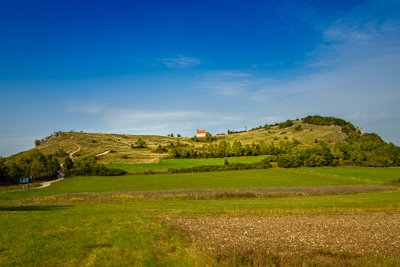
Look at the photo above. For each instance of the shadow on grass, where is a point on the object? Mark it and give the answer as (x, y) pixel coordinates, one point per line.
(33, 208)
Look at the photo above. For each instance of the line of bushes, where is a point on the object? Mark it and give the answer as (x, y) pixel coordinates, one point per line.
(346, 126)
(32, 163)
(263, 164)
(89, 166)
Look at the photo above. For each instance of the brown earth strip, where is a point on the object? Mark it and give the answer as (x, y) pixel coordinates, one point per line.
(360, 234)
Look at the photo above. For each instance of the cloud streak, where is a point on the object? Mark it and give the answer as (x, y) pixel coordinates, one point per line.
(180, 62)
(163, 122)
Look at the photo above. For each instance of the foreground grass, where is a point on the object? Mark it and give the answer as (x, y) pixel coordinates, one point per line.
(10, 188)
(163, 165)
(131, 231)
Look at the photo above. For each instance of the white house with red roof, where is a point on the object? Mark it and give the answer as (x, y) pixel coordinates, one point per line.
(201, 133)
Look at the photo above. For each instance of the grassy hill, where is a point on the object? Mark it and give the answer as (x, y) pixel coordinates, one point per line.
(116, 148)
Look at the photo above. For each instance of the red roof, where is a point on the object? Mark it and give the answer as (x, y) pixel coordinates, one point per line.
(201, 131)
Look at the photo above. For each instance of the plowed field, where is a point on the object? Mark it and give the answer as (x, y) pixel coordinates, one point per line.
(360, 234)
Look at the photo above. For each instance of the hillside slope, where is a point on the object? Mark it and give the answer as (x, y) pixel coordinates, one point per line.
(116, 148)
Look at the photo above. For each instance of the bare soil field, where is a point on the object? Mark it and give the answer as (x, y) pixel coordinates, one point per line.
(361, 234)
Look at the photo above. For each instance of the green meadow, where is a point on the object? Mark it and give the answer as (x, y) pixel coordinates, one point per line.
(164, 164)
(127, 232)
(367, 174)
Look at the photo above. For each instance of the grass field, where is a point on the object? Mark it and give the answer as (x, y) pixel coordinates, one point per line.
(164, 164)
(138, 233)
(368, 174)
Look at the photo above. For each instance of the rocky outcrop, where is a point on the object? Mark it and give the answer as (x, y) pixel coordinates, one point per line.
(47, 138)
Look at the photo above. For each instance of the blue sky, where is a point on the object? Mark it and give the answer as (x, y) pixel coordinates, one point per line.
(160, 67)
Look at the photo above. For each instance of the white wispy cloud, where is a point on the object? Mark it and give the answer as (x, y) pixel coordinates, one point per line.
(88, 108)
(357, 65)
(180, 62)
(223, 74)
(227, 82)
(353, 73)
(150, 122)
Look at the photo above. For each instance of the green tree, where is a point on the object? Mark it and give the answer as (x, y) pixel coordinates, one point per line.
(141, 143)
(36, 169)
(237, 148)
(247, 150)
(68, 164)
(60, 153)
(208, 136)
(53, 165)
(15, 172)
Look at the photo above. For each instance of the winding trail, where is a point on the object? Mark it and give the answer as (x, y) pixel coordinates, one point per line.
(79, 148)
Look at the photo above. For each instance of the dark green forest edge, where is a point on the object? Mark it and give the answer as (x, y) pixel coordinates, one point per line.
(39, 167)
(360, 149)
(367, 150)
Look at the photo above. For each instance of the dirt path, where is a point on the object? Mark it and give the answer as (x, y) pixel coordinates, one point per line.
(108, 151)
(79, 148)
(44, 184)
(47, 184)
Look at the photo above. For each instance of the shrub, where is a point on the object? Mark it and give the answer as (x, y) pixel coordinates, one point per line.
(89, 166)
(285, 124)
(289, 161)
(140, 143)
(60, 153)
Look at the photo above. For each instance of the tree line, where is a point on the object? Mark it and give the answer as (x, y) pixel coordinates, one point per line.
(36, 165)
(368, 150)
(89, 166)
(32, 163)
(225, 149)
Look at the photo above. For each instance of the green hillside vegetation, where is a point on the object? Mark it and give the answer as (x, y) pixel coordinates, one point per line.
(32, 163)
(165, 164)
(311, 142)
(124, 149)
(38, 167)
